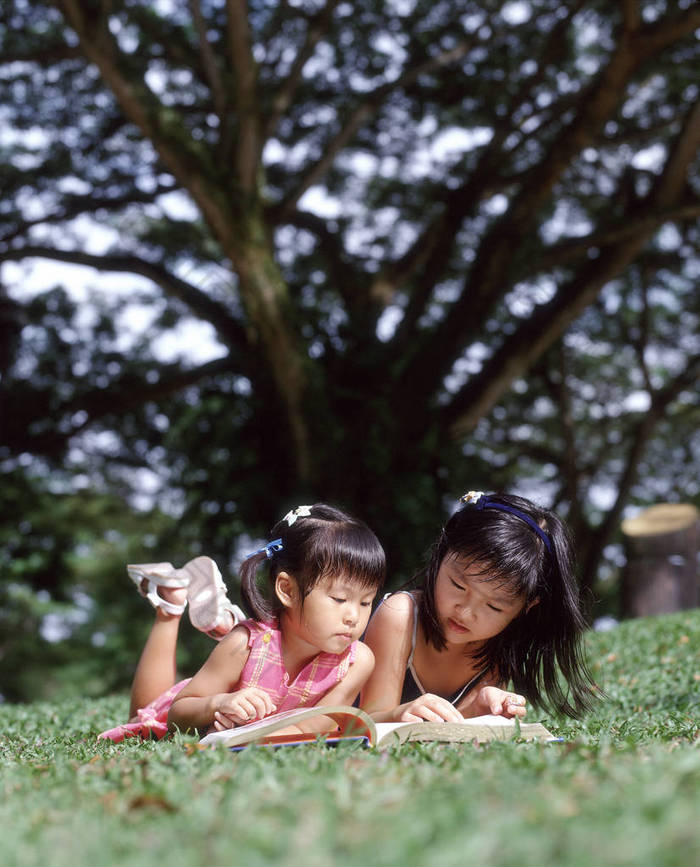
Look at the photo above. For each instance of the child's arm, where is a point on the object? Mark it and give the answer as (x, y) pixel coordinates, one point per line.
(344, 693)
(211, 690)
(389, 635)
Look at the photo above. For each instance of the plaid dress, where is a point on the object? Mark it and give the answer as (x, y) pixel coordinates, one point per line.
(264, 669)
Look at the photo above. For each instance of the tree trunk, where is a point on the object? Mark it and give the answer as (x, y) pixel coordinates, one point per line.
(661, 546)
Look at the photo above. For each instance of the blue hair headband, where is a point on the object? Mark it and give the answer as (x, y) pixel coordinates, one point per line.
(481, 501)
(270, 549)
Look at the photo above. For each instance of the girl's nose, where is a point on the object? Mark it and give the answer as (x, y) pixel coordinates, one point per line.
(467, 611)
(350, 616)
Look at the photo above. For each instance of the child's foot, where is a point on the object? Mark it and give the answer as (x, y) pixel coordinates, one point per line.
(211, 611)
(159, 583)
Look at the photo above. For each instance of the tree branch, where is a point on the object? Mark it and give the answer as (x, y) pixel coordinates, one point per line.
(361, 113)
(491, 275)
(121, 397)
(318, 26)
(228, 328)
(209, 65)
(345, 277)
(639, 439)
(479, 395)
(54, 428)
(45, 55)
(236, 221)
(186, 159)
(247, 146)
(518, 351)
(89, 204)
(630, 14)
(436, 242)
(567, 251)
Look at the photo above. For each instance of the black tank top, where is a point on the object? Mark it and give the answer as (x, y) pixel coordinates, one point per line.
(412, 687)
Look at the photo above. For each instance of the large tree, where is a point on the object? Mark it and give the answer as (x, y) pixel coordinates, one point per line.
(389, 212)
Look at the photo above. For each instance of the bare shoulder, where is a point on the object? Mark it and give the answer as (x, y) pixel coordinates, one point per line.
(364, 658)
(394, 614)
(234, 643)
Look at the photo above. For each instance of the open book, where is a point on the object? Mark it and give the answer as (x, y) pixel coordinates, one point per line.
(356, 724)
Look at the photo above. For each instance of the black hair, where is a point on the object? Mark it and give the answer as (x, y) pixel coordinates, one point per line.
(545, 638)
(324, 542)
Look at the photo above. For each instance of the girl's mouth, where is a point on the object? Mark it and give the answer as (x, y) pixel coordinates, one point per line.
(456, 627)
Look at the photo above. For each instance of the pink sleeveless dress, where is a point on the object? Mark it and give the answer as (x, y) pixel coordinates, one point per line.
(264, 668)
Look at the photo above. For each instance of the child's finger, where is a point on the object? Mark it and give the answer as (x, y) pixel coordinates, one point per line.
(267, 704)
(445, 711)
(514, 708)
(262, 703)
(509, 703)
(238, 708)
(410, 717)
(432, 708)
(223, 721)
(430, 716)
(247, 708)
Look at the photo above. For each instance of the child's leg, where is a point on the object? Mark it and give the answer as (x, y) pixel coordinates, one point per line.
(156, 671)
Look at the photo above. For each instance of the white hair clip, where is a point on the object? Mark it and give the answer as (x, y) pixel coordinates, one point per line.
(299, 512)
(472, 497)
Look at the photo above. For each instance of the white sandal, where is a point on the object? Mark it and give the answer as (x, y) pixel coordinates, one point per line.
(157, 575)
(207, 595)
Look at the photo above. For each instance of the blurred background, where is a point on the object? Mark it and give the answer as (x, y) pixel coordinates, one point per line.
(377, 254)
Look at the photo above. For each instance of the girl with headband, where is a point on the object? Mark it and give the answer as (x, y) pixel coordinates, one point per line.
(497, 610)
(323, 570)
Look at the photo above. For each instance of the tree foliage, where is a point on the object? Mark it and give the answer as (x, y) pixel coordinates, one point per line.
(440, 245)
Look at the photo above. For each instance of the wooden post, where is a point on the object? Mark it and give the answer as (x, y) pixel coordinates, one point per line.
(661, 573)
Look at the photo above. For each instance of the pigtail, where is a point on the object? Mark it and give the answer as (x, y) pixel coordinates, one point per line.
(310, 543)
(253, 598)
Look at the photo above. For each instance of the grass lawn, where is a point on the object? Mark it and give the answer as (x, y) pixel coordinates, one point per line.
(623, 788)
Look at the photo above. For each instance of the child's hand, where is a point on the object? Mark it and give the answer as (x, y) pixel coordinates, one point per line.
(243, 706)
(499, 702)
(223, 721)
(428, 707)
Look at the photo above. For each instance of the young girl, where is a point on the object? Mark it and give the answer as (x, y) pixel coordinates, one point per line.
(302, 649)
(498, 605)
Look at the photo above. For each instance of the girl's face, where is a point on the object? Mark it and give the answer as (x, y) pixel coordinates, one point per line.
(470, 608)
(335, 613)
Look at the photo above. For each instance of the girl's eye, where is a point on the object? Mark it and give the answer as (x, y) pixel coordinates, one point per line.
(458, 586)
(366, 604)
(337, 599)
(493, 608)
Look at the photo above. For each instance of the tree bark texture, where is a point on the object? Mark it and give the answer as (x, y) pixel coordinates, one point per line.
(661, 574)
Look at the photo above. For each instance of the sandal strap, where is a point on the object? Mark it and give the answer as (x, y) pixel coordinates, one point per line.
(153, 574)
(158, 601)
(161, 574)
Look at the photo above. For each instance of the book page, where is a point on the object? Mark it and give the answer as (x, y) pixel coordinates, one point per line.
(487, 719)
(355, 720)
(482, 728)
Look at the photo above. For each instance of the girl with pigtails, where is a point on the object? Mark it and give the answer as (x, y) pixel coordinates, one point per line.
(494, 623)
(300, 649)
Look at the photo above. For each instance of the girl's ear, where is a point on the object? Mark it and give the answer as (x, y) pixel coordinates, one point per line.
(286, 589)
(530, 605)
